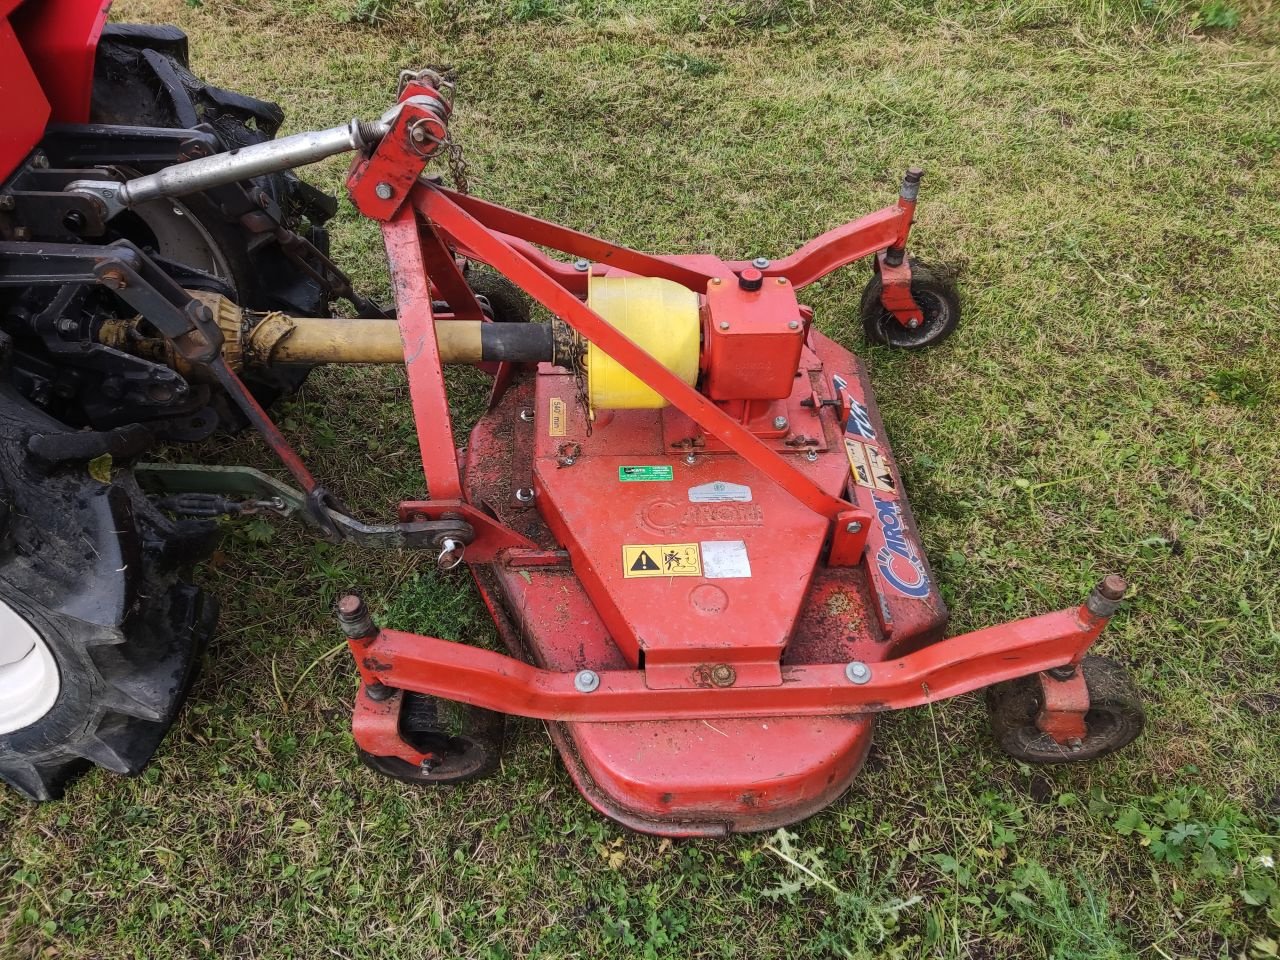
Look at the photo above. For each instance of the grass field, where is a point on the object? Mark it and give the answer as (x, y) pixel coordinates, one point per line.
(1103, 175)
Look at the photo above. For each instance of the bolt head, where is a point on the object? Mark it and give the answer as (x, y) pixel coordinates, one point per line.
(524, 494)
(723, 675)
(854, 527)
(1113, 587)
(582, 266)
(690, 459)
(793, 325)
(857, 672)
(760, 263)
(585, 681)
(779, 423)
(383, 191)
(913, 324)
(569, 461)
(811, 456)
(724, 324)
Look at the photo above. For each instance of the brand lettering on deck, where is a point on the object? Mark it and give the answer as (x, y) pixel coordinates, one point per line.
(898, 560)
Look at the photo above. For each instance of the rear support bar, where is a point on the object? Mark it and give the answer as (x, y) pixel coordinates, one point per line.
(946, 669)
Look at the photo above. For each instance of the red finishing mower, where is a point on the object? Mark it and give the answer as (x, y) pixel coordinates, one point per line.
(680, 507)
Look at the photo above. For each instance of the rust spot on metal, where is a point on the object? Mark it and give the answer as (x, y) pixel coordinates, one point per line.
(376, 665)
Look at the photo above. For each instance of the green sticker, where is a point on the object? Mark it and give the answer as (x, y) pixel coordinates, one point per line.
(633, 474)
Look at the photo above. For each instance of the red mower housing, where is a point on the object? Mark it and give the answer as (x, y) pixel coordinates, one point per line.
(709, 599)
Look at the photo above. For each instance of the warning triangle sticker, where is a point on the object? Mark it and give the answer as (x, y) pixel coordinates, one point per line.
(644, 562)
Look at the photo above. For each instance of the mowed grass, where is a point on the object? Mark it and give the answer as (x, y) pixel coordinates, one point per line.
(1105, 180)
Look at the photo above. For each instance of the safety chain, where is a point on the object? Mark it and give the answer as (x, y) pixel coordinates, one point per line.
(457, 166)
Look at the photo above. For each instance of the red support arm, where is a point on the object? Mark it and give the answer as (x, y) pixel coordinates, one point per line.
(439, 207)
(573, 242)
(422, 355)
(839, 247)
(945, 669)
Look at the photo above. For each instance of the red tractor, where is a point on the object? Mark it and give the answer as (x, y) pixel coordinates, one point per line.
(680, 506)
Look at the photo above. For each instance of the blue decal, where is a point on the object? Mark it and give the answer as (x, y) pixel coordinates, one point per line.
(859, 421)
(839, 381)
(898, 560)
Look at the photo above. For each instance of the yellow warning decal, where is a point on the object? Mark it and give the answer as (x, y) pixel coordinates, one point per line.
(868, 468)
(880, 471)
(557, 418)
(661, 560)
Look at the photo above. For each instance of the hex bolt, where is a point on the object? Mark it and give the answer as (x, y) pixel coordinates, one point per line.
(913, 324)
(761, 263)
(378, 691)
(585, 681)
(417, 133)
(854, 527)
(581, 265)
(690, 459)
(779, 423)
(1104, 598)
(716, 281)
(354, 617)
(723, 675)
(1113, 587)
(384, 191)
(526, 415)
(426, 766)
(525, 494)
(1064, 672)
(793, 325)
(7, 202)
(811, 456)
(857, 672)
(724, 324)
(569, 461)
(74, 221)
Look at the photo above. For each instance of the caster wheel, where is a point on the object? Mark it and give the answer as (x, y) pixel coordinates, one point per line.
(938, 297)
(1114, 720)
(507, 302)
(467, 739)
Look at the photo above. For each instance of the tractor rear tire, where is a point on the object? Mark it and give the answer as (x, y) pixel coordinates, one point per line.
(130, 88)
(100, 632)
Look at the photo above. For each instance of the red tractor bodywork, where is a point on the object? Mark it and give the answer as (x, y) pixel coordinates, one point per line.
(46, 69)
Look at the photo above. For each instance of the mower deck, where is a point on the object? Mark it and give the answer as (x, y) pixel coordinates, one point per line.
(760, 598)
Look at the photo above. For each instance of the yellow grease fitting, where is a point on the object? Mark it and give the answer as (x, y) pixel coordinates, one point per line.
(660, 317)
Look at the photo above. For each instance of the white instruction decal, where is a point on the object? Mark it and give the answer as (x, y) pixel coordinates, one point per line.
(725, 559)
(720, 491)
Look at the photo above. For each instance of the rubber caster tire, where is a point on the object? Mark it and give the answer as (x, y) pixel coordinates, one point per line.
(1115, 717)
(469, 739)
(936, 293)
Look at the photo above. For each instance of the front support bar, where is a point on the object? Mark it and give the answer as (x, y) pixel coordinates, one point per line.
(390, 659)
